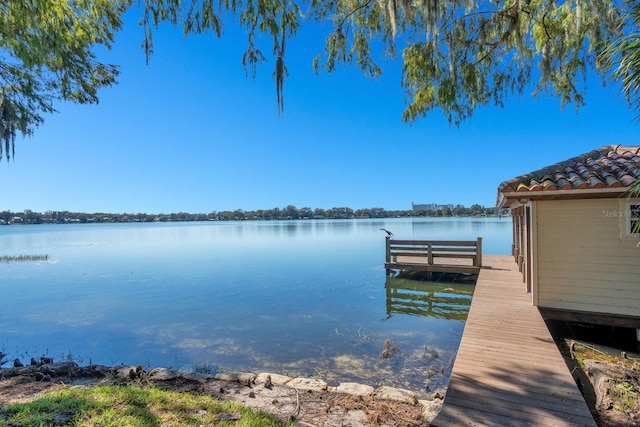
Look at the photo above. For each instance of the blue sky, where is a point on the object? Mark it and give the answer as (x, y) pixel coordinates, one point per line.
(190, 132)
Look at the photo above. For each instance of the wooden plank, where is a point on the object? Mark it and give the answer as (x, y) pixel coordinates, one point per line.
(435, 242)
(515, 414)
(543, 410)
(453, 255)
(420, 260)
(525, 393)
(434, 248)
(416, 252)
(508, 370)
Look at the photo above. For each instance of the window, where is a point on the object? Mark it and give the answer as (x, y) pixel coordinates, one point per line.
(633, 218)
(629, 216)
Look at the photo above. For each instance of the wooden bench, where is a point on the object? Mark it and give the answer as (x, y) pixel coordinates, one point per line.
(434, 255)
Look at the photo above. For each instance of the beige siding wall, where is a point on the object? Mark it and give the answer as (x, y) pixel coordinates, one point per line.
(584, 259)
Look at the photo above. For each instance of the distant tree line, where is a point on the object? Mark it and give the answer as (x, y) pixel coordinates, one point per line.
(287, 213)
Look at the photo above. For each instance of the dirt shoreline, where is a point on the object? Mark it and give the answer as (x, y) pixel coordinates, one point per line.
(312, 402)
(306, 401)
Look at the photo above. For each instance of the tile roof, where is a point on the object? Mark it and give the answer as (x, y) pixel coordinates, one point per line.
(609, 167)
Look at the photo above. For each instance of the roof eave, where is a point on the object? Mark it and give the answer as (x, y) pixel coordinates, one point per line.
(508, 198)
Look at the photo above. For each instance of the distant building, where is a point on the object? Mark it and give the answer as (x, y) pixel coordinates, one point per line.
(430, 207)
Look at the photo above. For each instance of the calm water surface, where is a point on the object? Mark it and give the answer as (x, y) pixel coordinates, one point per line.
(303, 298)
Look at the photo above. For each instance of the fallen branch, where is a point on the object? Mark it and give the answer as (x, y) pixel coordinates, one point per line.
(296, 412)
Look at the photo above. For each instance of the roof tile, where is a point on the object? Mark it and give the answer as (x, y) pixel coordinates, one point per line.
(609, 167)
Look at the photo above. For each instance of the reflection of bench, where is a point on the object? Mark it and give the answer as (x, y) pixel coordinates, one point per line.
(444, 256)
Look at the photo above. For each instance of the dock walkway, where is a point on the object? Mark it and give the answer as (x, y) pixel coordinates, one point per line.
(508, 370)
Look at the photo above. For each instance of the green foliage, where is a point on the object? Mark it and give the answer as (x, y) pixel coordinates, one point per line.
(457, 54)
(279, 20)
(287, 213)
(621, 58)
(46, 54)
(479, 53)
(626, 397)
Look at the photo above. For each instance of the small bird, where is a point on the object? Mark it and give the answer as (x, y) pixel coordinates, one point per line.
(390, 234)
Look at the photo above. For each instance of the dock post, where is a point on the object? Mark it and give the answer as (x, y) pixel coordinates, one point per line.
(429, 260)
(388, 252)
(479, 252)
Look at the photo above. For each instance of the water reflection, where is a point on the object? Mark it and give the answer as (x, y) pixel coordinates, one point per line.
(449, 301)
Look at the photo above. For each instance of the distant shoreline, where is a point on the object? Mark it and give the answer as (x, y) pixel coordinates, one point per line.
(275, 214)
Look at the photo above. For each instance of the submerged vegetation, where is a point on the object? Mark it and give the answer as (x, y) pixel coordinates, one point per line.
(131, 405)
(22, 258)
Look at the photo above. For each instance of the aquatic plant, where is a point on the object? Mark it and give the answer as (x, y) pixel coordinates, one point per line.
(206, 368)
(389, 349)
(18, 258)
(432, 353)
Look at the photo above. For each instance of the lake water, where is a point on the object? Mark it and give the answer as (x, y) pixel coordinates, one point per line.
(302, 298)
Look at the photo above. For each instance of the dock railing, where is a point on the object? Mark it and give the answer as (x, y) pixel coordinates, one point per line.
(434, 255)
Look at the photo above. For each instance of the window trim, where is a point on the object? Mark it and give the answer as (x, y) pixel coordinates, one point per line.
(629, 216)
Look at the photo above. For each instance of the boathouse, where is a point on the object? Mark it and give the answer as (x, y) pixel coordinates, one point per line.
(574, 239)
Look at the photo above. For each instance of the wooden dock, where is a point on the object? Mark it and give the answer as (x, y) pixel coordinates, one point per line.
(508, 370)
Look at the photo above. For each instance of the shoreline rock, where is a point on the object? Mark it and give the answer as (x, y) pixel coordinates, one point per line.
(265, 390)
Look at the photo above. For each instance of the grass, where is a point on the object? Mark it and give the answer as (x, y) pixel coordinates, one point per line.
(132, 405)
(582, 351)
(21, 258)
(626, 397)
